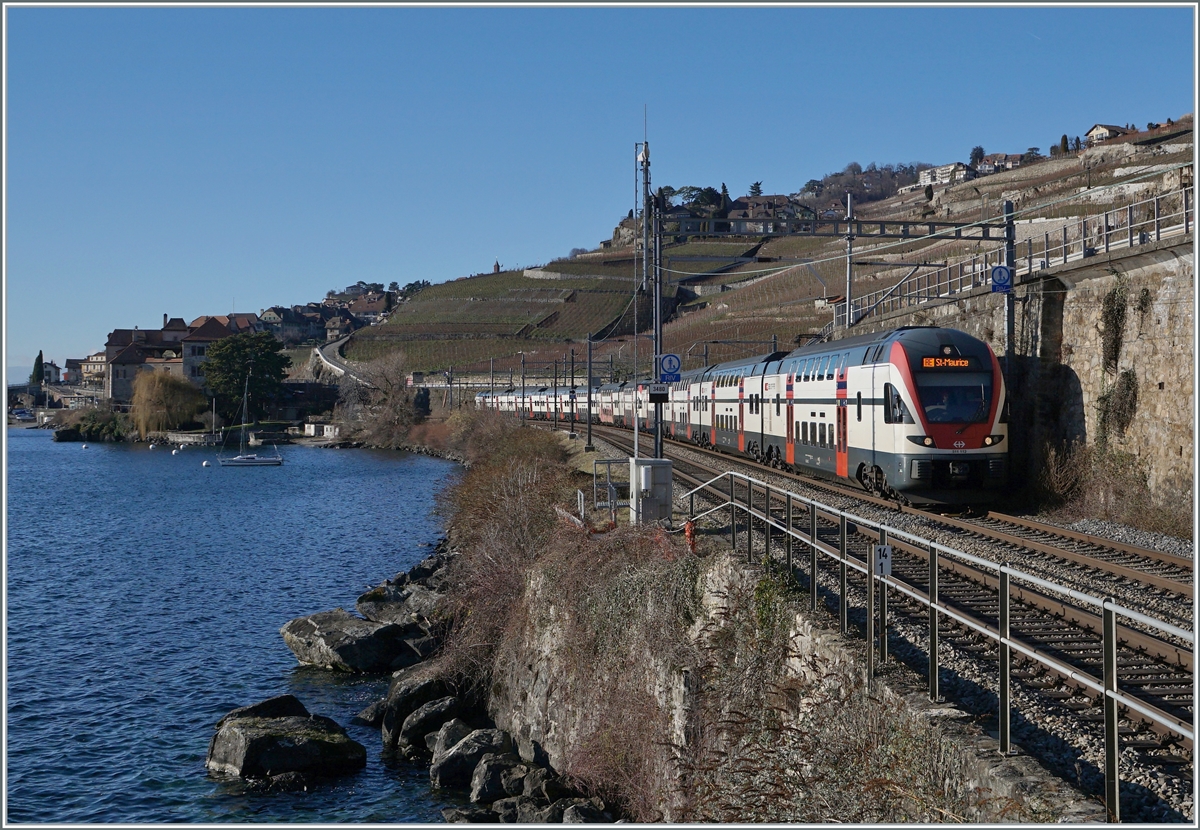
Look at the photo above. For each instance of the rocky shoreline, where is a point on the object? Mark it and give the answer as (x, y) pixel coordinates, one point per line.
(277, 745)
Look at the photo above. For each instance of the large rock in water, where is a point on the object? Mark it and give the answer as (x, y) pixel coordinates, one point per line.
(426, 719)
(339, 640)
(278, 737)
(401, 604)
(409, 690)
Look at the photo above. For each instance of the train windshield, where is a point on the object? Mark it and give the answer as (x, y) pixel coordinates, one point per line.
(954, 397)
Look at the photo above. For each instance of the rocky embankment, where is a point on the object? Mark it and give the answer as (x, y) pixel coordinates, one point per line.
(278, 745)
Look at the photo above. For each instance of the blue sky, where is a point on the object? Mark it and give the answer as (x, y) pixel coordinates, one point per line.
(204, 160)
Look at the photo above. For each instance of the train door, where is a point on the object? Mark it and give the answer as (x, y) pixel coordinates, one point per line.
(790, 452)
(712, 414)
(840, 442)
(741, 420)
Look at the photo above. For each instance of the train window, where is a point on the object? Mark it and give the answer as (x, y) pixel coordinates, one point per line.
(804, 433)
(821, 434)
(858, 398)
(796, 432)
(777, 405)
(823, 372)
(894, 410)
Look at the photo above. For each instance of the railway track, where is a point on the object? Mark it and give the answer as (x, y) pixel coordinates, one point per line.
(1170, 574)
(1153, 669)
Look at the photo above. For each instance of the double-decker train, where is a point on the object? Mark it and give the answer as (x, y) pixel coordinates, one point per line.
(917, 414)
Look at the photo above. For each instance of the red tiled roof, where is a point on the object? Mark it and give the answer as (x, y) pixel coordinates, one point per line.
(211, 329)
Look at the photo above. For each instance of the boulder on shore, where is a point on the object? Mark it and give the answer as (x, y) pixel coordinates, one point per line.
(454, 767)
(341, 641)
(427, 718)
(497, 777)
(278, 737)
(402, 604)
(409, 690)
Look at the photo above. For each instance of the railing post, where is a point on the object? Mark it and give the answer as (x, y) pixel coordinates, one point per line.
(1129, 223)
(1005, 666)
(1186, 219)
(767, 521)
(1029, 253)
(1106, 231)
(870, 620)
(883, 599)
(692, 508)
(1064, 243)
(787, 523)
(749, 521)
(1112, 744)
(1046, 248)
(843, 609)
(812, 554)
(1157, 221)
(732, 515)
(933, 624)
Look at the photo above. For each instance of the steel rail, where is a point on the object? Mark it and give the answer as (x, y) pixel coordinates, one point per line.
(1099, 541)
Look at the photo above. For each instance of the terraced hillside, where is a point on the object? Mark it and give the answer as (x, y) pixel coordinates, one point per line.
(497, 315)
(733, 295)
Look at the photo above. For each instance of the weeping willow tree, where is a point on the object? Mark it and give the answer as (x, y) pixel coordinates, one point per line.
(162, 401)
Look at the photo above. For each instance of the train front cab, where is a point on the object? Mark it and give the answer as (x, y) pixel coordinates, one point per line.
(935, 431)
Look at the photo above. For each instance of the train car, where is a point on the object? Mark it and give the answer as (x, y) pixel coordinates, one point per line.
(917, 414)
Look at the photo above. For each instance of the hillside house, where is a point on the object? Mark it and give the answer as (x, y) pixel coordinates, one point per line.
(340, 325)
(122, 367)
(51, 373)
(996, 162)
(72, 371)
(371, 308)
(285, 324)
(94, 370)
(1103, 132)
(753, 214)
(196, 345)
(947, 174)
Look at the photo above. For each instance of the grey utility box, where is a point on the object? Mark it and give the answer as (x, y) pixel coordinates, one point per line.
(650, 495)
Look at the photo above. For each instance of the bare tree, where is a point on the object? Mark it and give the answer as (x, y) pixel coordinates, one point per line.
(376, 404)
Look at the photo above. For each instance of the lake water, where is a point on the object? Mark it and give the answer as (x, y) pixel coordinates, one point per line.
(144, 597)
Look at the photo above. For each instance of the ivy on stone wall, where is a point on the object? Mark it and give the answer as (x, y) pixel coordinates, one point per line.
(1112, 317)
(1117, 407)
(1143, 305)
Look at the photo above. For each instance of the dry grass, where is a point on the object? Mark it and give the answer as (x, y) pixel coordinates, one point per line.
(1097, 482)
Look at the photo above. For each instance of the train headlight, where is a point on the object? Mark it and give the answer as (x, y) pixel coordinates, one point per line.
(992, 440)
(923, 440)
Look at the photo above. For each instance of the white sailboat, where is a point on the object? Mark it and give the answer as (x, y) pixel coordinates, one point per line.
(243, 458)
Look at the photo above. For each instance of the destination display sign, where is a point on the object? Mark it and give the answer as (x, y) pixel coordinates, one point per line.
(946, 363)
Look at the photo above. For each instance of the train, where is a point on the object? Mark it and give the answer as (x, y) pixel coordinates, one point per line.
(917, 414)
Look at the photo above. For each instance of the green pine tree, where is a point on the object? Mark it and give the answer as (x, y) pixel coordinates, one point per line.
(39, 369)
(756, 189)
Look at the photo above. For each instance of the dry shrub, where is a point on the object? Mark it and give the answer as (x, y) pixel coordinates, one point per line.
(432, 434)
(811, 746)
(626, 601)
(501, 511)
(1080, 481)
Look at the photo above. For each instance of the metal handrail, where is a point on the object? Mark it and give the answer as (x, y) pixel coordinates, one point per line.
(1106, 687)
(1080, 239)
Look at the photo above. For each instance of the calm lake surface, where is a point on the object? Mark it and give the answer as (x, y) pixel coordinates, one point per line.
(144, 597)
